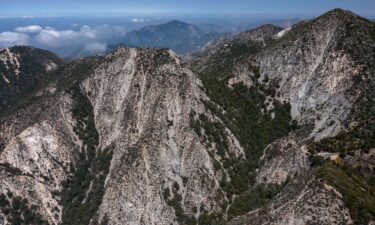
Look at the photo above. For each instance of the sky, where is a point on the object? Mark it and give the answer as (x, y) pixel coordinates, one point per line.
(69, 27)
(30, 8)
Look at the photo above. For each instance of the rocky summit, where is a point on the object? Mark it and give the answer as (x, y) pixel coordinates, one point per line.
(272, 126)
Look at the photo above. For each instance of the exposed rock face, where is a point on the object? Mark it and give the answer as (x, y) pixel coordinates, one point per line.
(321, 79)
(324, 73)
(36, 158)
(142, 106)
(284, 158)
(217, 51)
(142, 101)
(315, 75)
(136, 137)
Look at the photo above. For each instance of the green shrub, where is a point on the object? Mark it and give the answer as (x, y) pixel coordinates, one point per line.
(317, 161)
(253, 199)
(175, 203)
(357, 194)
(210, 219)
(214, 132)
(83, 192)
(244, 117)
(247, 117)
(17, 210)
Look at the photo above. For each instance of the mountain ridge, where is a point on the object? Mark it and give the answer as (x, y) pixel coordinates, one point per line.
(258, 129)
(23, 70)
(308, 68)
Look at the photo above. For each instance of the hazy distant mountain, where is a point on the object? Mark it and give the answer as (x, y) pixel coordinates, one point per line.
(284, 23)
(181, 37)
(221, 28)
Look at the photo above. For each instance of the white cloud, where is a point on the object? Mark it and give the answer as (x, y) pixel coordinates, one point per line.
(51, 38)
(283, 32)
(28, 17)
(8, 39)
(64, 42)
(136, 20)
(95, 47)
(29, 29)
(16, 17)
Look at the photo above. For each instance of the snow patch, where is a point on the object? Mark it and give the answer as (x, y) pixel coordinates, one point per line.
(283, 32)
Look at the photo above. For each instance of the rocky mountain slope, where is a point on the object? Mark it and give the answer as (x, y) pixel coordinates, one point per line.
(116, 144)
(316, 68)
(271, 127)
(22, 69)
(220, 50)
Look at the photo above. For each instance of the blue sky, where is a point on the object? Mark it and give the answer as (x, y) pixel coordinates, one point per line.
(69, 26)
(17, 8)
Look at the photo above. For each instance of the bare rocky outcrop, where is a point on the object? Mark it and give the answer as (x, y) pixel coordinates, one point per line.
(143, 107)
(323, 72)
(284, 159)
(314, 75)
(35, 159)
(142, 100)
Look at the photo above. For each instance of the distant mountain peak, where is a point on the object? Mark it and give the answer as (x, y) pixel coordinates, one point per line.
(260, 33)
(179, 36)
(268, 26)
(340, 14)
(173, 24)
(339, 11)
(176, 22)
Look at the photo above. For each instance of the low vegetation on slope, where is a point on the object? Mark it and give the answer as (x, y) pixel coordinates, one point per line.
(358, 194)
(18, 211)
(24, 70)
(255, 117)
(352, 172)
(245, 110)
(83, 192)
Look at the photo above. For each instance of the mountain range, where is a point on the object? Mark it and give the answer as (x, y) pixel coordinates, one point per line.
(181, 37)
(186, 39)
(271, 126)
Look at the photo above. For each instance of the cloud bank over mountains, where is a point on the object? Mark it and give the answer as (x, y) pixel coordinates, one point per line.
(29, 29)
(90, 39)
